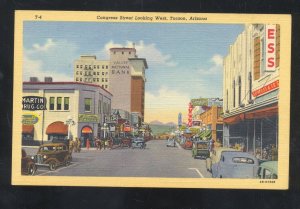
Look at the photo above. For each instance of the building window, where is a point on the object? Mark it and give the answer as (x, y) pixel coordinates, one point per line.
(76, 72)
(102, 79)
(106, 66)
(97, 66)
(51, 104)
(80, 72)
(256, 67)
(106, 73)
(66, 103)
(87, 104)
(97, 79)
(90, 73)
(94, 79)
(102, 66)
(94, 73)
(240, 90)
(106, 86)
(94, 66)
(58, 104)
(105, 79)
(99, 106)
(90, 67)
(76, 79)
(85, 73)
(77, 66)
(80, 79)
(98, 73)
(102, 86)
(250, 86)
(80, 66)
(233, 86)
(102, 73)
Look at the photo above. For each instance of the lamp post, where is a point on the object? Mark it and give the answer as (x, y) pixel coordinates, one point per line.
(70, 122)
(104, 130)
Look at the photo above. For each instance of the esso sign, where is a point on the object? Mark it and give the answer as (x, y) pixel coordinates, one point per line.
(270, 47)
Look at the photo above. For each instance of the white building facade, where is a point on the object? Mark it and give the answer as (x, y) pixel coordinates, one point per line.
(250, 90)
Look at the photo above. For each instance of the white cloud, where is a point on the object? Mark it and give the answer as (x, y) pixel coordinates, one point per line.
(149, 51)
(165, 105)
(34, 68)
(216, 68)
(53, 58)
(49, 44)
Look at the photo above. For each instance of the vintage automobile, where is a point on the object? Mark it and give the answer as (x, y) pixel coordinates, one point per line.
(188, 144)
(200, 149)
(138, 143)
(231, 163)
(28, 166)
(53, 155)
(171, 143)
(268, 170)
(126, 142)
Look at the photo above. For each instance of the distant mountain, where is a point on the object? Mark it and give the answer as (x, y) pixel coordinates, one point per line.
(156, 122)
(170, 124)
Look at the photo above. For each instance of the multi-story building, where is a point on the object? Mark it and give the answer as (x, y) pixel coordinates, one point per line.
(90, 70)
(123, 75)
(250, 89)
(84, 104)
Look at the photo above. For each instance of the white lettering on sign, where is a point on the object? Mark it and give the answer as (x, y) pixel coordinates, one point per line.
(270, 47)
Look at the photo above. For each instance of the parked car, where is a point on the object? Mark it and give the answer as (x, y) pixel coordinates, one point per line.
(188, 144)
(268, 170)
(53, 155)
(200, 149)
(231, 163)
(138, 143)
(171, 143)
(28, 166)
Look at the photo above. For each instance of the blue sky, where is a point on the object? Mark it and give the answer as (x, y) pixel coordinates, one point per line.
(185, 60)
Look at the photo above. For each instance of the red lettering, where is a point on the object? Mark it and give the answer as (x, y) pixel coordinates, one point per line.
(271, 48)
(271, 62)
(271, 33)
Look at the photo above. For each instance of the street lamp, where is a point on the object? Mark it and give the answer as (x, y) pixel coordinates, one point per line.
(70, 122)
(104, 129)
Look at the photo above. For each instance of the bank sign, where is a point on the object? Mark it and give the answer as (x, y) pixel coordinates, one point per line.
(33, 103)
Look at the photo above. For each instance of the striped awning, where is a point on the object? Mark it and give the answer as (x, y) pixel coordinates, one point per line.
(87, 130)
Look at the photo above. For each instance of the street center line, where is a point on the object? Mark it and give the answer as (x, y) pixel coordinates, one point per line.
(200, 174)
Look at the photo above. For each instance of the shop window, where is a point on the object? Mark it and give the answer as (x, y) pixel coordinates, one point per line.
(66, 103)
(58, 105)
(51, 104)
(87, 104)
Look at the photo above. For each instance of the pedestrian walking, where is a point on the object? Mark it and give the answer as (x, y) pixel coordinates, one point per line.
(105, 144)
(78, 142)
(98, 143)
(71, 146)
(88, 144)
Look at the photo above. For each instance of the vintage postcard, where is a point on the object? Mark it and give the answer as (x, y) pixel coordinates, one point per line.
(173, 100)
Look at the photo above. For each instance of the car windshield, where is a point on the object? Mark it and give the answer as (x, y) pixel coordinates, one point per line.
(202, 145)
(245, 160)
(48, 148)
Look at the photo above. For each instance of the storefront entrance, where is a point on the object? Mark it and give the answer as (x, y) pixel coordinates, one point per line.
(86, 133)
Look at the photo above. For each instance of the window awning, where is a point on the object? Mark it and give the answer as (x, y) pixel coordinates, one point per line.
(57, 127)
(256, 114)
(27, 129)
(86, 130)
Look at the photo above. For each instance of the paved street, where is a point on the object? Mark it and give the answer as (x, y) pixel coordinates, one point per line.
(156, 160)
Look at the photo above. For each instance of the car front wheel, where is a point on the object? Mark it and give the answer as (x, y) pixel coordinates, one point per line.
(52, 166)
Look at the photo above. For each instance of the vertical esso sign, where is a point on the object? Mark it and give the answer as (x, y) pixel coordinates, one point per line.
(270, 47)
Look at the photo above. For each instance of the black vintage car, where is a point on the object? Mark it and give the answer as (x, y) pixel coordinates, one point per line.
(53, 155)
(28, 166)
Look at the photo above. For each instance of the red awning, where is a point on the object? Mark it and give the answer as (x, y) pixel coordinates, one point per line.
(86, 130)
(262, 113)
(57, 128)
(27, 129)
(256, 114)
